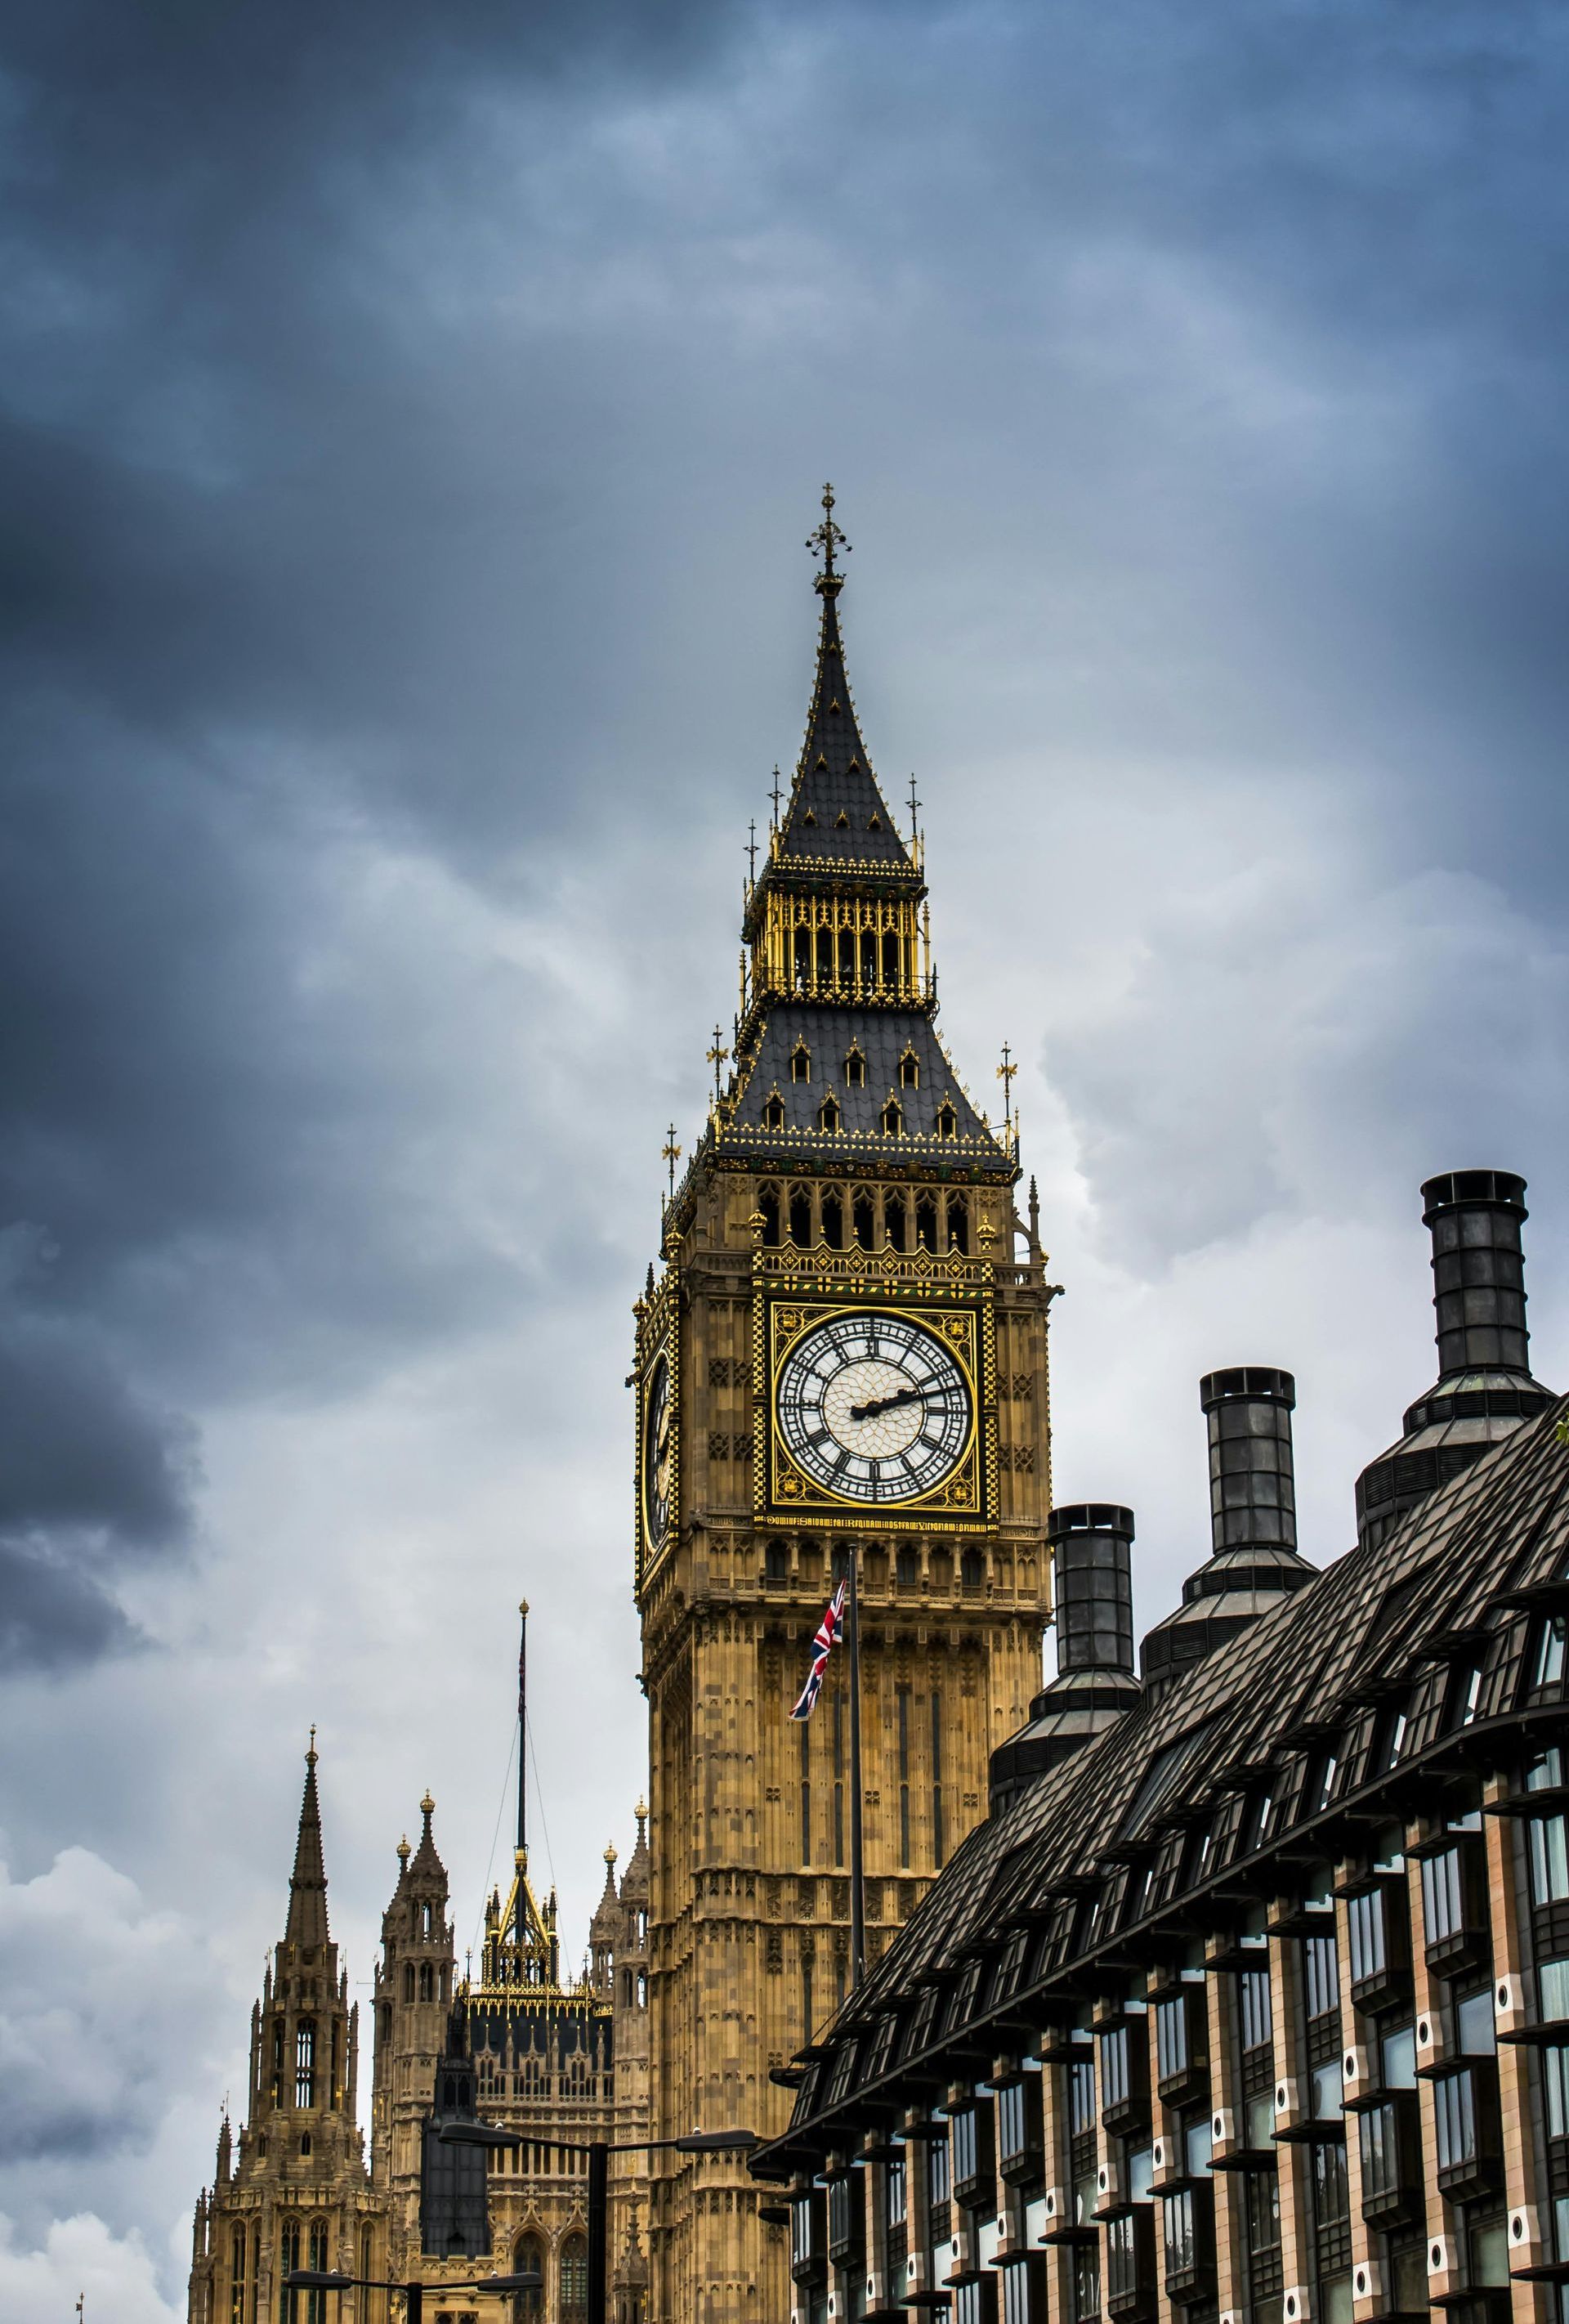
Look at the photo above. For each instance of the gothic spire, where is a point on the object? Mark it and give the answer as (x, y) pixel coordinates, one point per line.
(307, 1912)
(836, 813)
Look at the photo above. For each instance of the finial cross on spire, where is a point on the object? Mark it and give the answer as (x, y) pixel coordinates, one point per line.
(827, 538)
(716, 1057)
(752, 848)
(671, 1153)
(1006, 1072)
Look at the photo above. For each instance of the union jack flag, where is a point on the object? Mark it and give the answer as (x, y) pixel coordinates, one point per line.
(823, 1645)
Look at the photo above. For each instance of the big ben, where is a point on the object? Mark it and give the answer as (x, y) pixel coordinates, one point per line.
(842, 1349)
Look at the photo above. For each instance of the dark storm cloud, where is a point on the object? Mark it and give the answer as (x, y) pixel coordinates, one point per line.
(392, 398)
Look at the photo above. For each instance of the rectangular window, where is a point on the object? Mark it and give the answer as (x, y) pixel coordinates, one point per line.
(1254, 2005)
(965, 2167)
(896, 2216)
(1549, 1836)
(1321, 1964)
(1365, 1923)
(1555, 2090)
(1475, 2027)
(845, 2214)
(1085, 2282)
(1549, 1663)
(1442, 1905)
(1121, 2258)
(1178, 2236)
(1171, 2037)
(1018, 2130)
(1081, 2098)
(939, 2193)
(1114, 2068)
(1381, 2153)
(1454, 2106)
(1553, 1989)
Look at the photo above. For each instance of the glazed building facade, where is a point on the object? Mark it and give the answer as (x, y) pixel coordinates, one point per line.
(1249, 2003)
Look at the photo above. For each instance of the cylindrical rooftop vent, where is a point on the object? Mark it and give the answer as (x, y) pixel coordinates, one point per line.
(1479, 1288)
(1093, 1586)
(1253, 1495)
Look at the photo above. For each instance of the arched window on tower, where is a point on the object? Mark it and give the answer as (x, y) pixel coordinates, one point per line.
(926, 1224)
(768, 1204)
(802, 958)
(574, 2280)
(426, 1982)
(833, 1218)
(775, 1562)
(367, 2272)
(958, 1225)
(855, 1070)
(237, 2277)
(947, 1122)
(424, 1919)
(907, 1565)
(774, 1112)
(891, 960)
(289, 2301)
(825, 955)
(847, 956)
(827, 1115)
(866, 1218)
(316, 2300)
(868, 958)
(892, 1119)
(408, 1980)
(529, 2259)
(305, 2062)
(800, 1063)
(896, 1218)
(385, 2022)
(972, 1572)
(800, 1218)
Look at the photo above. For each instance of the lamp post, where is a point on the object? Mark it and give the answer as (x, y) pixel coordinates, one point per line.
(326, 2279)
(598, 2151)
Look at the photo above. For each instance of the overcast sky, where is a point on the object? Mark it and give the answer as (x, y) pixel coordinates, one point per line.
(410, 422)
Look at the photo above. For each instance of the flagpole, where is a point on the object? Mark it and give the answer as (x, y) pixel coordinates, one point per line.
(858, 1870)
(522, 1726)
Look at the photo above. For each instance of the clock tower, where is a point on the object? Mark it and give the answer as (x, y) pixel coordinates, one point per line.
(841, 1346)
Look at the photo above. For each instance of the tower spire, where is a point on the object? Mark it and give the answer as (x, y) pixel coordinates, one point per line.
(836, 812)
(307, 1913)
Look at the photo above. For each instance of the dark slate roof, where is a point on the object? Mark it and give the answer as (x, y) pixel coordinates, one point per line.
(1383, 1625)
(836, 814)
(882, 1037)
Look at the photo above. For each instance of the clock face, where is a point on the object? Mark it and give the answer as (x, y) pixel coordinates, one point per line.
(874, 1408)
(656, 1452)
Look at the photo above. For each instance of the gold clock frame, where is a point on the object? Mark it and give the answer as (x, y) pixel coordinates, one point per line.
(661, 1337)
(966, 1500)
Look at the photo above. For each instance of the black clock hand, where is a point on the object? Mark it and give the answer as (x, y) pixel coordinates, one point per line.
(886, 1403)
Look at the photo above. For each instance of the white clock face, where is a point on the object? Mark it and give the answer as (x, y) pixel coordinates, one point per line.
(874, 1408)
